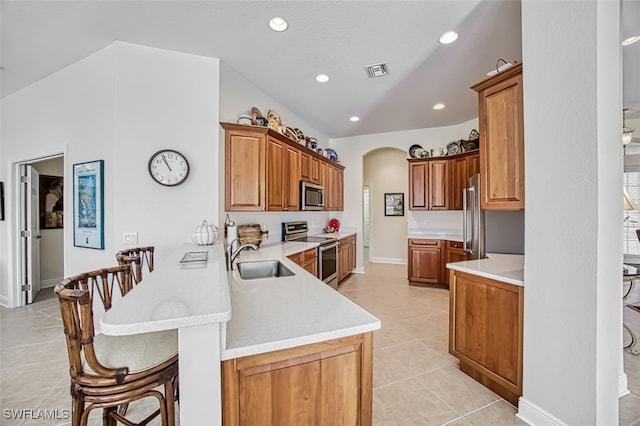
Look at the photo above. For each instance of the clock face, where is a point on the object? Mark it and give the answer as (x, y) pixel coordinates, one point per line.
(168, 167)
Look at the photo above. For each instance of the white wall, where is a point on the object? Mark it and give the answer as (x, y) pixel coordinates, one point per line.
(351, 152)
(121, 105)
(573, 157)
(52, 241)
(385, 170)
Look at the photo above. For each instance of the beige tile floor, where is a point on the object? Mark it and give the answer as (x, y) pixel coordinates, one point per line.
(416, 381)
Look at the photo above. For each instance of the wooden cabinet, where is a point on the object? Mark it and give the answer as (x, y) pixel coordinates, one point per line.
(501, 140)
(462, 168)
(425, 261)
(263, 170)
(346, 256)
(429, 184)
(485, 332)
(327, 383)
(308, 260)
(454, 253)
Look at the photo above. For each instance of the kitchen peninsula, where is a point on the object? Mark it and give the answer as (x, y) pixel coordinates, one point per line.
(263, 332)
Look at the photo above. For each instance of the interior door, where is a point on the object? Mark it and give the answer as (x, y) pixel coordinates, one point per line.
(30, 232)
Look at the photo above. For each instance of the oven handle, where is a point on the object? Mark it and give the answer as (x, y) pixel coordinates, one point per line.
(327, 246)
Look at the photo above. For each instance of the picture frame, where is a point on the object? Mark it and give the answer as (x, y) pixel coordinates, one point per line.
(88, 204)
(51, 190)
(394, 204)
(1, 200)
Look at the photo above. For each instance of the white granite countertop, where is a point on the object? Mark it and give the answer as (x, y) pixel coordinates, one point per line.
(508, 268)
(174, 295)
(263, 314)
(435, 234)
(278, 313)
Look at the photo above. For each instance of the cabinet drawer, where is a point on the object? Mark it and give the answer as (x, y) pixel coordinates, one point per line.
(309, 254)
(455, 244)
(296, 258)
(421, 242)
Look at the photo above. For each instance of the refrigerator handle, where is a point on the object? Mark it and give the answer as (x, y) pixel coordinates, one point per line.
(465, 230)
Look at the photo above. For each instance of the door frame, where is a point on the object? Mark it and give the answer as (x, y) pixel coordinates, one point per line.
(15, 255)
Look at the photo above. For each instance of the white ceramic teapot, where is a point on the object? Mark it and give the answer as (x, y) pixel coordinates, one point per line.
(205, 234)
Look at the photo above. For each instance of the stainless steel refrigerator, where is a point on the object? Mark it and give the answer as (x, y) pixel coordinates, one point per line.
(489, 231)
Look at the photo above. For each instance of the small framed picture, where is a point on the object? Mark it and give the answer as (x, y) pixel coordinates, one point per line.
(394, 204)
(88, 204)
(51, 204)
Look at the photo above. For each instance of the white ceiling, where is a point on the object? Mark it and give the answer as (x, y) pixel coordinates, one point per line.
(337, 38)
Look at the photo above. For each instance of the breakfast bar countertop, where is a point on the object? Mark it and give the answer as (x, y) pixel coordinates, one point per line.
(508, 268)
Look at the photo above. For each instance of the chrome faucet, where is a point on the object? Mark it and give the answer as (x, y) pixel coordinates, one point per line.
(230, 255)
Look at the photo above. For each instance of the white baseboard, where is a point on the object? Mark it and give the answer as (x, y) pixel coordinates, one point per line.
(4, 301)
(358, 270)
(396, 261)
(50, 283)
(623, 385)
(531, 414)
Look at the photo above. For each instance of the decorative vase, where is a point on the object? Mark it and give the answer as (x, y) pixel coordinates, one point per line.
(205, 234)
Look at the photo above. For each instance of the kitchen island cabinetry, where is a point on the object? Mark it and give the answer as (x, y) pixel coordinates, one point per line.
(263, 170)
(307, 260)
(501, 119)
(326, 383)
(428, 184)
(346, 256)
(425, 261)
(485, 331)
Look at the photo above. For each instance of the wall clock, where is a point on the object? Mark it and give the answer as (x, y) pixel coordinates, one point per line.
(168, 167)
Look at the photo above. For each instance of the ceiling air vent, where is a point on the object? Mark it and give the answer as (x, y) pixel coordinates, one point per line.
(377, 70)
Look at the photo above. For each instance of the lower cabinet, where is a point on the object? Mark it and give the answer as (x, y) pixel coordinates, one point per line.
(425, 261)
(454, 253)
(485, 331)
(327, 383)
(346, 256)
(307, 260)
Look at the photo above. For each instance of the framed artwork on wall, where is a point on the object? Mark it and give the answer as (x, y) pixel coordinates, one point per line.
(394, 204)
(51, 205)
(88, 204)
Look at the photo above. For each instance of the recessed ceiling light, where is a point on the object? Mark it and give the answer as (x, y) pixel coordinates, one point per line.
(630, 40)
(449, 37)
(354, 118)
(278, 24)
(438, 106)
(322, 78)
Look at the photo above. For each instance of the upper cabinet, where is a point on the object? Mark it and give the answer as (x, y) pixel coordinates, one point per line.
(437, 183)
(263, 170)
(501, 140)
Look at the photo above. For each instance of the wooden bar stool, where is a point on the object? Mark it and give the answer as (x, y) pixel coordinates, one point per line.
(109, 372)
(137, 258)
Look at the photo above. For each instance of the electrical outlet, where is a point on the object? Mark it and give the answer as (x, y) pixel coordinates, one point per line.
(130, 237)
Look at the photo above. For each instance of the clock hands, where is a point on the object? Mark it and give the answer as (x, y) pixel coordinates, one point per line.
(165, 162)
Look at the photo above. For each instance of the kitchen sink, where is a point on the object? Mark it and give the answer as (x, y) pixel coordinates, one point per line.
(263, 269)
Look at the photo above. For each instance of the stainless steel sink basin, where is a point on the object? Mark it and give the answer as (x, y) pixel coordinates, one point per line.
(263, 269)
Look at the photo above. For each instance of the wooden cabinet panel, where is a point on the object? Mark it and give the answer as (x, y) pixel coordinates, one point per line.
(425, 261)
(502, 140)
(292, 180)
(462, 168)
(438, 185)
(328, 383)
(333, 188)
(346, 256)
(418, 184)
(275, 175)
(245, 171)
(454, 253)
(307, 260)
(314, 170)
(485, 332)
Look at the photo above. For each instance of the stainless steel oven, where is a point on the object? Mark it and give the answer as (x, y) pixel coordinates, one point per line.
(327, 251)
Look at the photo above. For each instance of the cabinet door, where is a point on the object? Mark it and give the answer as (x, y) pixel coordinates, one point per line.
(311, 266)
(305, 166)
(460, 176)
(454, 253)
(438, 185)
(418, 181)
(275, 175)
(502, 145)
(425, 261)
(314, 170)
(486, 331)
(292, 179)
(339, 190)
(244, 172)
(342, 260)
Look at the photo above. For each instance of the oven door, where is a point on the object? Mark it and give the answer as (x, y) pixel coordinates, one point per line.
(328, 264)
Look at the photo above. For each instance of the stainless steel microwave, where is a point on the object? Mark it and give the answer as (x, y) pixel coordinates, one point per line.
(311, 196)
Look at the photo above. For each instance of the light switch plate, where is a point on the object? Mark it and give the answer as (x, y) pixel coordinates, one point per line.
(130, 237)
